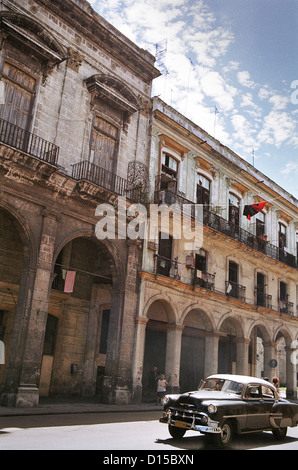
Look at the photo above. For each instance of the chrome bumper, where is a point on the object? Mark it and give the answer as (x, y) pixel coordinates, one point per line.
(207, 426)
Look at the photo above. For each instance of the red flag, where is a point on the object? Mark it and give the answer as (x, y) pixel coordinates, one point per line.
(253, 209)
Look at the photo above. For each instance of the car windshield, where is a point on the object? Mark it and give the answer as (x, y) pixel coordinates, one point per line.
(223, 385)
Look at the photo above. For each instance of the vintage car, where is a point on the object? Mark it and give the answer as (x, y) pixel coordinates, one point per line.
(226, 405)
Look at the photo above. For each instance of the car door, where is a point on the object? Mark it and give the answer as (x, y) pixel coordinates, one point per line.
(258, 408)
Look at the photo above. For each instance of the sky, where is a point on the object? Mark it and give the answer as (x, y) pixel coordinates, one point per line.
(231, 66)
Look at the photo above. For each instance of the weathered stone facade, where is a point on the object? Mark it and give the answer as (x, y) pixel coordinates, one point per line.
(74, 121)
(82, 314)
(228, 304)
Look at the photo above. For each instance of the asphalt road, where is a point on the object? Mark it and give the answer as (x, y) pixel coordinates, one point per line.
(119, 432)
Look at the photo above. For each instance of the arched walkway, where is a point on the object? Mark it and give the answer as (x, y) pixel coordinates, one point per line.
(160, 315)
(193, 344)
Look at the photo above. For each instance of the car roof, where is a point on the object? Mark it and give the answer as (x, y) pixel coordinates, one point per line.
(244, 379)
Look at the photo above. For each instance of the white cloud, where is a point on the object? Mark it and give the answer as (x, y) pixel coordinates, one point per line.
(278, 127)
(214, 86)
(244, 79)
(290, 168)
(279, 102)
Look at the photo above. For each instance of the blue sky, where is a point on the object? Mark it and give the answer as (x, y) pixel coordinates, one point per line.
(231, 68)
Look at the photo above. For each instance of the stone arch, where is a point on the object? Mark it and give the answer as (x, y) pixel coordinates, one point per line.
(30, 251)
(231, 334)
(196, 323)
(206, 318)
(285, 362)
(168, 308)
(111, 252)
(161, 317)
(259, 349)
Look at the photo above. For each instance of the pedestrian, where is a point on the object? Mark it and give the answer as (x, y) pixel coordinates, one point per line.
(161, 388)
(275, 382)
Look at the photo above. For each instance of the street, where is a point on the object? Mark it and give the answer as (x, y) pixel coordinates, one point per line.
(118, 432)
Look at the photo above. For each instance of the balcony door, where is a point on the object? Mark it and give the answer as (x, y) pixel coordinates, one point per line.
(104, 143)
(165, 254)
(19, 96)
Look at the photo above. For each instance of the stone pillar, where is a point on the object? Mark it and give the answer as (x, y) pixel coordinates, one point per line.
(90, 371)
(21, 387)
(173, 353)
(211, 353)
(291, 359)
(242, 346)
(118, 380)
(141, 323)
(269, 356)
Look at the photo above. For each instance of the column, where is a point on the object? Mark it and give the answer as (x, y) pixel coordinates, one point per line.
(137, 374)
(211, 353)
(242, 346)
(173, 355)
(90, 370)
(269, 360)
(21, 389)
(291, 360)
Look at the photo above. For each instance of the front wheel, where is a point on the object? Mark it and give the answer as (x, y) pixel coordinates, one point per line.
(176, 433)
(279, 433)
(225, 437)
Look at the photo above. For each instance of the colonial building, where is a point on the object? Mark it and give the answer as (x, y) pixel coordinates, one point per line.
(227, 303)
(74, 133)
(87, 307)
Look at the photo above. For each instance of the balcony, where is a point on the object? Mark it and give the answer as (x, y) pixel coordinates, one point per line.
(285, 306)
(22, 140)
(188, 275)
(88, 171)
(223, 226)
(263, 300)
(181, 272)
(236, 290)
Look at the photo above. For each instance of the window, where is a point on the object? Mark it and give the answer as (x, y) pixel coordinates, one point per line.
(203, 191)
(19, 93)
(284, 305)
(260, 291)
(234, 210)
(169, 165)
(267, 393)
(253, 391)
(104, 143)
(233, 272)
(201, 261)
(234, 289)
(282, 236)
(165, 254)
(260, 224)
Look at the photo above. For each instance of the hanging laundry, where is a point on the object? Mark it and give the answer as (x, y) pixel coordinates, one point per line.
(69, 281)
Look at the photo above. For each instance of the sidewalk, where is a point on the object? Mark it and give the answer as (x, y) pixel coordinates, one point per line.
(73, 406)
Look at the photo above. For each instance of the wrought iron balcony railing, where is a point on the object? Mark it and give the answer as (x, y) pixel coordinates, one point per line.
(19, 138)
(285, 306)
(262, 299)
(225, 227)
(236, 290)
(89, 171)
